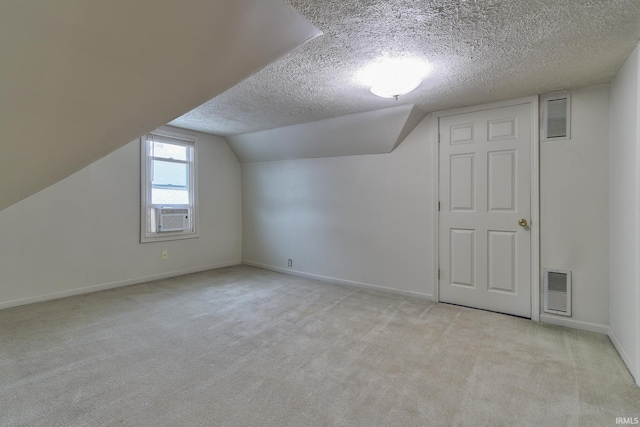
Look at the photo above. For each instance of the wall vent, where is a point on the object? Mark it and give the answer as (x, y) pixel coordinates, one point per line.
(557, 292)
(556, 120)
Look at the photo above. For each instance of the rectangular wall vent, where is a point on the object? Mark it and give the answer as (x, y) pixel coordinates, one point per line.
(173, 220)
(557, 292)
(556, 120)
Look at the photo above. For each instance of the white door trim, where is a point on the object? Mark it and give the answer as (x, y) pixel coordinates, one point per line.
(535, 191)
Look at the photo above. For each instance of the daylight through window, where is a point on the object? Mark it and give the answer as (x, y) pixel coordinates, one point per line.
(168, 193)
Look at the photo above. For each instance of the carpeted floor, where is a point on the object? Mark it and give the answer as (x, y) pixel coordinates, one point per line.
(242, 346)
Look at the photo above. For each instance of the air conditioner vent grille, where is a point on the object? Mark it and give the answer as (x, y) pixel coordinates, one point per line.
(173, 220)
(557, 301)
(557, 292)
(557, 282)
(557, 118)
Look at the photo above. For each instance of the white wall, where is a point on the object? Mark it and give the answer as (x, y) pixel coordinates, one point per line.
(82, 233)
(366, 220)
(370, 219)
(625, 214)
(574, 208)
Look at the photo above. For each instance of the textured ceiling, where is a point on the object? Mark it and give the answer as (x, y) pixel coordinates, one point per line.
(480, 51)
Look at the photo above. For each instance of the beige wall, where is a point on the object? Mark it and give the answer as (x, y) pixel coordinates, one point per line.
(82, 233)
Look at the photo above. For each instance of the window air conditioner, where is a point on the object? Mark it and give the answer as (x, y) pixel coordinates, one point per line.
(170, 219)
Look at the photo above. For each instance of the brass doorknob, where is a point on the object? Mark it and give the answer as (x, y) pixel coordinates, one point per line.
(522, 222)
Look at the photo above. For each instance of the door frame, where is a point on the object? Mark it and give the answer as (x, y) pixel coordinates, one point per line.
(533, 101)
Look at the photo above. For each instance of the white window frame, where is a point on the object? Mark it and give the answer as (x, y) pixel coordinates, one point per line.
(147, 209)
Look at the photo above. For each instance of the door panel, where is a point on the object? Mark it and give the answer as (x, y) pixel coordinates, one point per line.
(485, 188)
(462, 258)
(501, 251)
(462, 182)
(462, 134)
(502, 181)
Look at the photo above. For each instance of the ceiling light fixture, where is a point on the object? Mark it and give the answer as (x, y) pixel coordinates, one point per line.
(392, 77)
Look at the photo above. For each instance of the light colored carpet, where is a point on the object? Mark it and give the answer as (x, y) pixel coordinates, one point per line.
(242, 346)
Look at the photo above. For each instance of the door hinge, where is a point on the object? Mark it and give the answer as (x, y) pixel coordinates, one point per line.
(438, 206)
(438, 138)
(438, 274)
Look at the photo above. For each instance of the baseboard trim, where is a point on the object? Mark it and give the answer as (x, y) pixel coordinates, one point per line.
(633, 369)
(341, 282)
(111, 285)
(575, 324)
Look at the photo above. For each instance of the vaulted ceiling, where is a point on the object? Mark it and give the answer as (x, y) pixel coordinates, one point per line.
(480, 51)
(81, 78)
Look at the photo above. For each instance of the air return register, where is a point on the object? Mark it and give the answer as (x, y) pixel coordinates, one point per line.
(557, 292)
(556, 117)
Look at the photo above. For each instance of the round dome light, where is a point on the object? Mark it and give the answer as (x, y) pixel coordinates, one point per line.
(392, 77)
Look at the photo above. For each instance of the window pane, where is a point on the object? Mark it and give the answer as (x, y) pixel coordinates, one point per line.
(170, 184)
(170, 175)
(169, 151)
(165, 196)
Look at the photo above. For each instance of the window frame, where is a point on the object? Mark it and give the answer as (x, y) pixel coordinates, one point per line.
(147, 209)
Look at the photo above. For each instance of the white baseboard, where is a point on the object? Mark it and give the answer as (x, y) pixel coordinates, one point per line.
(600, 329)
(625, 356)
(575, 324)
(118, 284)
(341, 282)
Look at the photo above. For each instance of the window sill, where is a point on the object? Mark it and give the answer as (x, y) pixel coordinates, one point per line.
(164, 237)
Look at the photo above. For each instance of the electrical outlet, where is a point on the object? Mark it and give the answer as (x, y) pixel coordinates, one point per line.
(165, 254)
(290, 264)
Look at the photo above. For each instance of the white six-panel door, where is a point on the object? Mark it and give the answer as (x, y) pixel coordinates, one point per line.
(485, 193)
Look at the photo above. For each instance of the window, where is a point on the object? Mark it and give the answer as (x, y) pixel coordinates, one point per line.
(168, 193)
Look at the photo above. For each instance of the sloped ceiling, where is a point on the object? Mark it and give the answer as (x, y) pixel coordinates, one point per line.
(481, 51)
(371, 132)
(81, 78)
